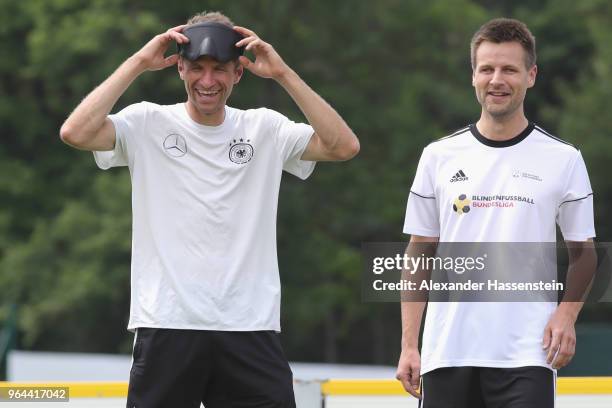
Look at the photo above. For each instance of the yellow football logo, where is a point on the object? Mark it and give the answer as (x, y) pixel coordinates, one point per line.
(462, 204)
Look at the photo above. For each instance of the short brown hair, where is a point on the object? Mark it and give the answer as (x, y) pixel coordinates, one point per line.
(214, 16)
(502, 30)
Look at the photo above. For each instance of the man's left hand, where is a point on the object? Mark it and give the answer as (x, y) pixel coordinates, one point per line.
(560, 338)
(267, 64)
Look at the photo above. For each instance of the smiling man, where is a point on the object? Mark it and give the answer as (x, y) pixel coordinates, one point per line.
(495, 354)
(205, 289)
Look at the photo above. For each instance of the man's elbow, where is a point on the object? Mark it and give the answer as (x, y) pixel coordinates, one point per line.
(68, 135)
(75, 138)
(348, 151)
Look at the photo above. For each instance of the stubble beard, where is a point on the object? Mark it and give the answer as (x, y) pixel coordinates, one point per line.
(500, 113)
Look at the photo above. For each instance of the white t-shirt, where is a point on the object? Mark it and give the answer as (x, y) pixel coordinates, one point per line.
(517, 190)
(204, 202)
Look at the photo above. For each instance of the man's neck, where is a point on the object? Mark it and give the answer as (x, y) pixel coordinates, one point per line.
(213, 119)
(501, 129)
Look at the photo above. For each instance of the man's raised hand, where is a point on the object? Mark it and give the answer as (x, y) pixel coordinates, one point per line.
(152, 56)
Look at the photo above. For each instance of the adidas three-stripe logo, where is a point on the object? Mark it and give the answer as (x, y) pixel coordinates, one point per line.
(460, 176)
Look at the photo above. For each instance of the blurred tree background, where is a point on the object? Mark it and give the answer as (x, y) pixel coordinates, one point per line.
(397, 70)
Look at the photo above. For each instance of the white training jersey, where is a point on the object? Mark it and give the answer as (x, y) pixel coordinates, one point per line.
(204, 202)
(513, 191)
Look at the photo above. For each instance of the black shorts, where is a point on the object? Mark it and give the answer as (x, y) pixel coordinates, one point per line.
(182, 368)
(480, 387)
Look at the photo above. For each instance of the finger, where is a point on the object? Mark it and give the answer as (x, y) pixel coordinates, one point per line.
(162, 43)
(546, 339)
(164, 39)
(245, 31)
(414, 393)
(171, 60)
(411, 390)
(245, 62)
(177, 37)
(553, 347)
(415, 378)
(565, 354)
(178, 28)
(254, 44)
(245, 41)
(560, 360)
(176, 33)
(403, 379)
(552, 351)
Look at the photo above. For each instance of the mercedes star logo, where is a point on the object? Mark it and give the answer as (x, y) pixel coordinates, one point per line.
(175, 145)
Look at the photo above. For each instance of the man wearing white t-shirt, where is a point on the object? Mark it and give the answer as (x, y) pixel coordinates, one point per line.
(205, 289)
(502, 179)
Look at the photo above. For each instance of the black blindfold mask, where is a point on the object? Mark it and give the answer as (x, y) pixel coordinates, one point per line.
(212, 39)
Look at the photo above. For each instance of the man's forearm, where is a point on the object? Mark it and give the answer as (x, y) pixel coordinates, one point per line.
(89, 116)
(413, 302)
(412, 314)
(580, 274)
(333, 131)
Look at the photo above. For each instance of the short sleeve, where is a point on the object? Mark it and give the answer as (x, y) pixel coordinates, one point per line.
(422, 217)
(575, 212)
(128, 122)
(292, 139)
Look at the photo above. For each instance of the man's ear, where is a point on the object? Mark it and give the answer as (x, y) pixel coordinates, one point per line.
(532, 73)
(239, 71)
(181, 67)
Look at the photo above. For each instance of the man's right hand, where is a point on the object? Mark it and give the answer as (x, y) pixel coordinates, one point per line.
(151, 57)
(88, 126)
(409, 370)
